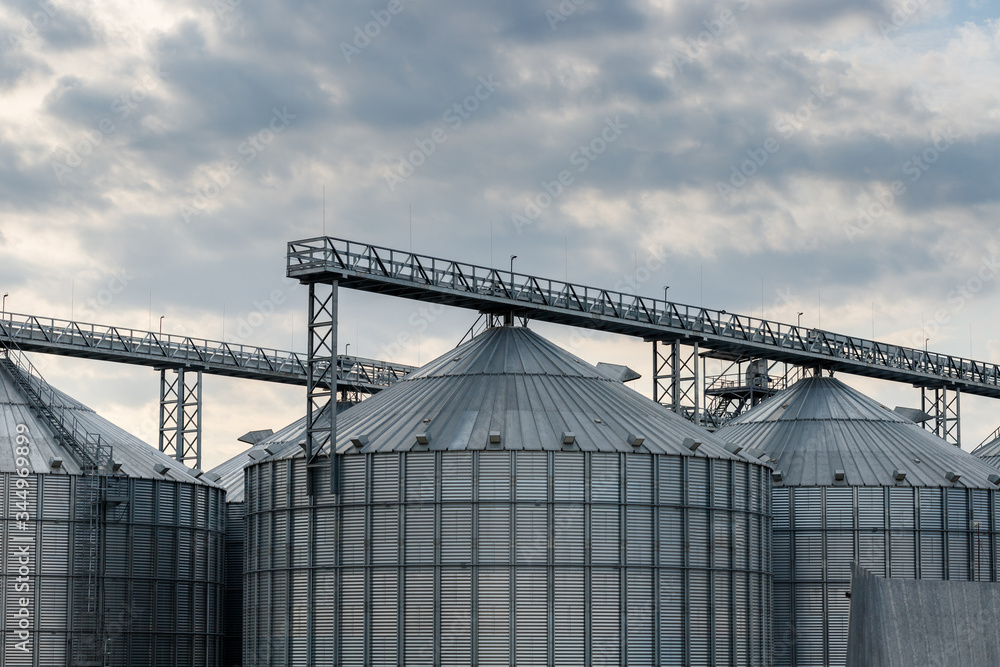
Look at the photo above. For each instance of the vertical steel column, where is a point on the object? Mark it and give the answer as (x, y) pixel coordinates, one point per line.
(697, 387)
(189, 436)
(321, 389)
(658, 364)
(169, 404)
(677, 379)
(180, 416)
(944, 407)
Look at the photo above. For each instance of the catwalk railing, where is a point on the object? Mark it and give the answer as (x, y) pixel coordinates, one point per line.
(406, 274)
(59, 415)
(163, 350)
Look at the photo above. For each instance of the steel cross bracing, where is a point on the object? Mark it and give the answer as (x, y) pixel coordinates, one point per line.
(676, 378)
(384, 270)
(160, 350)
(944, 408)
(180, 415)
(321, 395)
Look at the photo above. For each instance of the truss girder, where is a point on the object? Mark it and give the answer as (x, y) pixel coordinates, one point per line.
(384, 270)
(146, 348)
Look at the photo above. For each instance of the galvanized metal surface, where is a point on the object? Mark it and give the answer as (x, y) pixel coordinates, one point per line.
(989, 452)
(897, 623)
(919, 526)
(401, 273)
(159, 580)
(509, 503)
(908, 532)
(500, 557)
(229, 474)
(512, 382)
(232, 606)
(820, 425)
(136, 457)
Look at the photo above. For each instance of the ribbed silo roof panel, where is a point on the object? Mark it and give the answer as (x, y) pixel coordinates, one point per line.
(511, 381)
(137, 458)
(989, 452)
(820, 425)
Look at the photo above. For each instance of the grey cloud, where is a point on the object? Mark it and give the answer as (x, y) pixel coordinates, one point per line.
(14, 63)
(58, 25)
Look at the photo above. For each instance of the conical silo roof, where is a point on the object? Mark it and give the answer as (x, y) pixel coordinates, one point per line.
(137, 458)
(820, 426)
(510, 383)
(989, 452)
(229, 474)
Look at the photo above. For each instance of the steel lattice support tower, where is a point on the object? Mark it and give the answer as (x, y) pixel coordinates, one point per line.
(677, 378)
(944, 407)
(180, 415)
(321, 390)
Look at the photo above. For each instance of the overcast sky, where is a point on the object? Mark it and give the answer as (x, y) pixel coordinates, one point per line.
(837, 159)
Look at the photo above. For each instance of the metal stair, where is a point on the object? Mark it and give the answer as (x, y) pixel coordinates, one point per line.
(90, 644)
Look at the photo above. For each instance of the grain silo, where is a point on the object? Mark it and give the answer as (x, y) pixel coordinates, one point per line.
(856, 482)
(113, 551)
(509, 504)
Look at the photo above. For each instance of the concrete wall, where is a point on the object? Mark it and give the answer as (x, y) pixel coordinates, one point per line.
(899, 622)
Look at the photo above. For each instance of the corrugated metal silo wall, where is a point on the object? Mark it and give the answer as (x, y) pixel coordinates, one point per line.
(161, 578)
(901, 532)
(232, 646)
(546, 558)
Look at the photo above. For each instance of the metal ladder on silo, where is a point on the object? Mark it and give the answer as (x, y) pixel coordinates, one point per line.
(89, 645)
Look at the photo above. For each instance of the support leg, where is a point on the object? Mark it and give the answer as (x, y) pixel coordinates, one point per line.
(944, 407)
(321, 390)
(180, 415)
(677, 378)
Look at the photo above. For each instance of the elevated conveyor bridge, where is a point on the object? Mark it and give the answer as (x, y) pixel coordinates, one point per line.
(681, 334)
